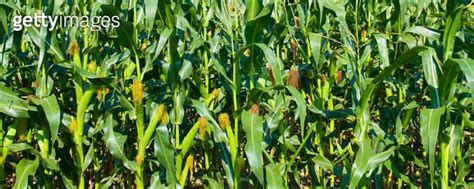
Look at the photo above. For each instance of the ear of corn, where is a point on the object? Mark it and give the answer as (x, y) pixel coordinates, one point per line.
(239, 94)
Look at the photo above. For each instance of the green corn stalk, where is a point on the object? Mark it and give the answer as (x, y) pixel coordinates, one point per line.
(79, 131)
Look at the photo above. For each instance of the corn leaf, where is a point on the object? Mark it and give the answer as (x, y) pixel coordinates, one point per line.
(453, 21)
(429, 128)
(24, 169)
(252, 125)
(274, 179)
(164, 153)
(53, 114)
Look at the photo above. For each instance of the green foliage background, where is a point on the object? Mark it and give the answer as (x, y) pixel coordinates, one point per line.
(239, 94)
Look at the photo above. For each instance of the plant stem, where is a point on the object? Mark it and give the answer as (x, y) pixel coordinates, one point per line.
(81, 109)
(139, 178)
(176, 113)
(444, 161)
(141, 151)
(331, 129)
(235, 71)
(357, 22)
(137, 62)
(206, 157)
(206, 58)
(459, 149)
(302, 144)
(179, 165)
(234, 92)
(2, 172)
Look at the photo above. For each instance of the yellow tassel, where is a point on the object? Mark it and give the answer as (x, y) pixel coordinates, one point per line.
(139, 160)
(215, 94)
(72, 126)
(92, 67)
(224, 121)
(73, 48)
(162, 114)
(190, 164)
(137, 92)
(202, 128)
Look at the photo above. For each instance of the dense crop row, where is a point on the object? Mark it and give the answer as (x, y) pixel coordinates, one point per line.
(239, 94)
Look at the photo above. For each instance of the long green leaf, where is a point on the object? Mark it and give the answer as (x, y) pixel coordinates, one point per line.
(53, 114)
(363, 109)
(366, 161)
(188, 139)
(252, 125)
(431, 77)
(252, 8)
(150, 13)
(114, 140)
(23, 170)
(89, 157)
(11, 104)
(315, 42)
(301, 106)
(274, 179)
(467, 67)
(420, 30)
(164, 153)
(453, 21)
(429, 128)
(383, 50)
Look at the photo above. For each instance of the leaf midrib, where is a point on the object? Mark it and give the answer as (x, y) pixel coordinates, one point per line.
(25, 171)
(165, 155)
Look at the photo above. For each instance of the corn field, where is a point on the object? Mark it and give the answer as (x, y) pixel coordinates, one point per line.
(239, 94)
